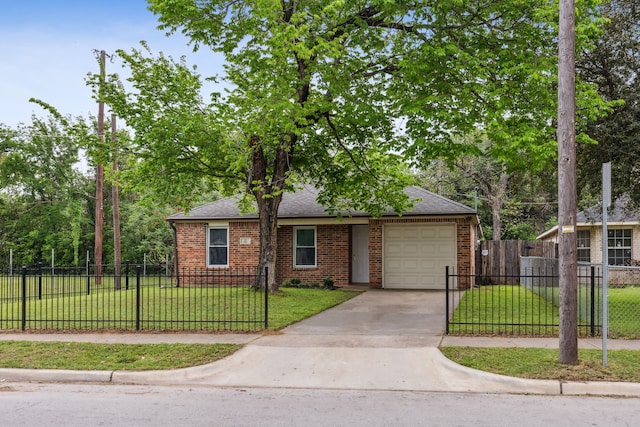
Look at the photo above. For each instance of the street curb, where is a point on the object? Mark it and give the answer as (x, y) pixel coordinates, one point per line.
(477, 381)
(55, 375)
(463, 379)
(593, 388)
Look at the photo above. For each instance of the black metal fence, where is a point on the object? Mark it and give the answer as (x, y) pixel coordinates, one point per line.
(523, 304)
(133, 298)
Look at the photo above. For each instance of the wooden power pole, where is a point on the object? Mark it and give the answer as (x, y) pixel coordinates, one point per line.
(567, 203)
(97, 254)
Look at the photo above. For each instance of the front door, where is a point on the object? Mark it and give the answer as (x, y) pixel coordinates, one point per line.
(360, 254)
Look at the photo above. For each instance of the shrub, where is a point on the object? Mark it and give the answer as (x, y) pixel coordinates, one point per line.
(328, 283)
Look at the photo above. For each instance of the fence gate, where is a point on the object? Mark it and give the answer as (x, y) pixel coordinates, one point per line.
(501, 259)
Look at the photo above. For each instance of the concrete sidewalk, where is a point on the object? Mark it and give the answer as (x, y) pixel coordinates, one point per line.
(379, 340)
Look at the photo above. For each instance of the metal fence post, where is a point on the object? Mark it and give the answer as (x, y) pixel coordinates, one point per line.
(446, 309)
(266, 297)
(88, 274)
(24, 298)
(593, 301)
(40, 281)
(138, 270)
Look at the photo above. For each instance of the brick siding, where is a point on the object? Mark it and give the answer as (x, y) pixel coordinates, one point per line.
(333, 248)
(333, 257)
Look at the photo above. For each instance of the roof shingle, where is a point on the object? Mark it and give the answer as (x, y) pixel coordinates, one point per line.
(303, 204)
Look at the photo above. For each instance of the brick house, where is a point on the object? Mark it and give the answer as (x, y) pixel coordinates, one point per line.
(404, 252)
(622, 240)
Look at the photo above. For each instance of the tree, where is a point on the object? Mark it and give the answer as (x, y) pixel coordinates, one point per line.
(43, 192)
(513, 205)
(613, 65)
(336, 93)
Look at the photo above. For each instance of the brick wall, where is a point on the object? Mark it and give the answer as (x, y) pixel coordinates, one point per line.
(333, 249)
(244, 245)
(332, 258)
(191, 240)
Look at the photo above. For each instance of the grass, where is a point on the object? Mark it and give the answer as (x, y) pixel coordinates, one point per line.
(88, 356)
(291, 305)
(504, 309)
(230, 308)
(515, 310)
(286, 307)
(624, 312)
(537, 363)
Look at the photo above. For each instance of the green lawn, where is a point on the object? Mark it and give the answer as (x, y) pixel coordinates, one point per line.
(286, 307)
(504, 310)
(290, 305)
(230, 308)
(515, 310)
(88, 356)
(538, 363)
(624, 313)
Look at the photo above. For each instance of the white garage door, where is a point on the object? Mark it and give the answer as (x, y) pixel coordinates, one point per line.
(415, 256)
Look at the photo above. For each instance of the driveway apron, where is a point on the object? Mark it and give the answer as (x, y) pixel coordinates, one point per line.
(379, 340)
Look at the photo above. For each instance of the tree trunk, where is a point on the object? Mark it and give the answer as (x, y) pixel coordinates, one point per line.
(496, 196)
(268, 189)
(268, 213)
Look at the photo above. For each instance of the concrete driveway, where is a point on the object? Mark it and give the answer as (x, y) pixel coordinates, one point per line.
(376, 318)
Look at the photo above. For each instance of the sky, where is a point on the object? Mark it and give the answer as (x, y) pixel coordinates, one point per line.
(47, 47)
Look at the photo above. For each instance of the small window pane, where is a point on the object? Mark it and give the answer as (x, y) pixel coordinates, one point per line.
(305, 237)
(218, 237)
(305, 256)
(218, 256)
(584, 246)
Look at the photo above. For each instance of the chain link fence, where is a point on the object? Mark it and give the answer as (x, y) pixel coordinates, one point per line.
(528, 303)
(623, 293)
(624, 302)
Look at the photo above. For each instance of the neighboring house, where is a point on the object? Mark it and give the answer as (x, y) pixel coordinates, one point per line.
(623, 230)
(623, 236)
(404, 252)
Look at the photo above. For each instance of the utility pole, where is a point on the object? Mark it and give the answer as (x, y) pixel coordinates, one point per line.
(567, 203)
(97, 255)
(117, 257)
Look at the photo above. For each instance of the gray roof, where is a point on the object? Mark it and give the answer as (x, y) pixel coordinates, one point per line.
(619, 212)
(303, 204)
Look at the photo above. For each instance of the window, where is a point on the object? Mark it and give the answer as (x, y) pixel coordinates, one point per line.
(584, 246)
(218, 247)
(619, 246)
(305, 247)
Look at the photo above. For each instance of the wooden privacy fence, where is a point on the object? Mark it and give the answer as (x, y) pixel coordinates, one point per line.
(501, 259)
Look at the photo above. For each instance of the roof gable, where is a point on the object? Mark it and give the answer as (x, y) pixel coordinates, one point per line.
(303, 204)
(619, 212)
